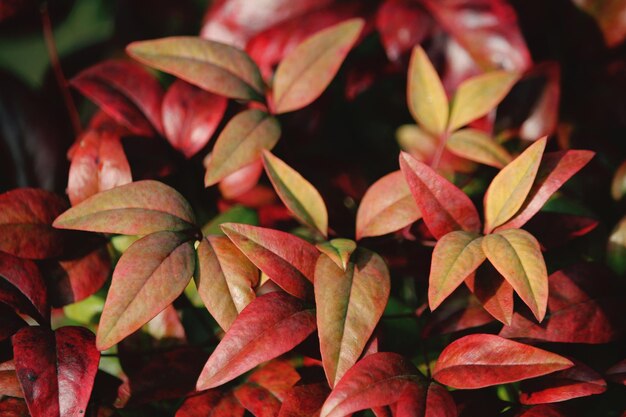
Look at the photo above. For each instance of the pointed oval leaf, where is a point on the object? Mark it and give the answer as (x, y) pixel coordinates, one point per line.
(483, 360)
(427, 99)
(23, 288)
(338, 250)
(304, 400)
(439, 402)
(375, 381)
(386, 207)
(349, 305)
(212, 66)
(299, 195)
(225, 279)
(493, 291)
(478, 146)
(444, 207)
(554, 170)
(241, 143)
(148, 277)
(191, 116)
(516, 254)
(478, 96)
(268, 327)
(212, 403)
(455, 257)
(286, 259)
(56, 369)
(508, 190)
(306, 71)
(137, 208)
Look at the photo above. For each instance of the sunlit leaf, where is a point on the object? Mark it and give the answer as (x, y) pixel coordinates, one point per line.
(338, 250)
(478, 146)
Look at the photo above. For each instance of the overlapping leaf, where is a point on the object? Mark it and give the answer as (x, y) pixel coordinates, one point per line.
(211, 403)
(477, 146)
(304, 400)
(493, 291)
(23, 288)
(338, 250)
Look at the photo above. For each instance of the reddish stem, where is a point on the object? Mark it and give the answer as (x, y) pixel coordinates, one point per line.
(443, 138)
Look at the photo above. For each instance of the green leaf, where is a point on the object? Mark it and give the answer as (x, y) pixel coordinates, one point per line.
(306, 71)
(426, 97)
(478, 96)
(508, 190)
(516, 255)
(455, 257)
(212, 66)
(478, 146)
(298, 195)
(338, 250)
(241, 143)
(235, 214)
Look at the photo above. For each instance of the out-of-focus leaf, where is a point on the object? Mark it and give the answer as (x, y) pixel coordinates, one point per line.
(349, 305)
(211, 403)
(98, 164)
(493, 291)
(338, 250)
(299, 195)
(26, 216)
(286, 259)
(225, 278)
(478, 146)
(13, 407)
(268, 327)
(577, 381)
(386, 207)
(147, 278)
(56, 369)
(618, 185)
(137, 208)
(483, 360)
(508, 190)
(516, 254)
(305, 72)
(617, 372)
(401, 25)
(126, 92)
(553, 229)
(478, 96)
(190, 116)
(167, 326)
(616, 248)
(426, 97)
(257, 400)
(609, 15)
(23, 288)
(543, 410)
(544, 114)
(9, 384)
(375, 381)
(304, 400)
(455, 257)
(241, 181)
(554, 170)
(212, 66)
(10, 323)
(241, 143)
(439, 402)
(235, 214)
(444, 207)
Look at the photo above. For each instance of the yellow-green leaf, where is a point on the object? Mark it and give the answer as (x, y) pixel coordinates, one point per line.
(338, 250)
(426, 97)
(478, 146)
(300, 197)
(508, 190)
(478, 96)
(516, 255)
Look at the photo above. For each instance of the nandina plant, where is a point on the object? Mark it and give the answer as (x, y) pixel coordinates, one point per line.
(302, 263)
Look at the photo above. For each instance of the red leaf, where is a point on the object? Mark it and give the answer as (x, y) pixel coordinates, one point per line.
(268, 327)
(98, 164)
(286, 259)
(26, 216)
(126, 92)
(23, 288)
(56, 369)
(493, 291)
(544, 116)
(577, 381)
(483, 360)
(13, 407)
(444, 207)
(545, 410)
(211, 404)
(439, 402)
(9, 384)
(241, 181)
(458, 312)
(377, 380)
(304, 400)
(401, 24)
(258, 401)
(554, 230)
(191, 116)
(278, 377)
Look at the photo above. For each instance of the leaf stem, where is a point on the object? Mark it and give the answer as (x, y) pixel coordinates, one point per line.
(443, 138)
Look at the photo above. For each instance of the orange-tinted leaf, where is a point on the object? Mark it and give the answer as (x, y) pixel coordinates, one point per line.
(444, 207)
(286, 259)
(98, 164)
(516, 254)
(554, 170)
(455, 257)
(478, 146)
(427, 99)
(9, 384)
(148, 277)
(377, 380)
(268, 327)
(304, 400)
(137, 208)
(349, 305)
(225, 278)
(493, 291)
(212, 66)
(609, 16)
(478, 96)
(241, 143)
(508, 190)
(211, 403)
(126, 92)
(306, 71)
(299, 195)
(483, 360)
(190, 116)
(338, 250)
(386, 207)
